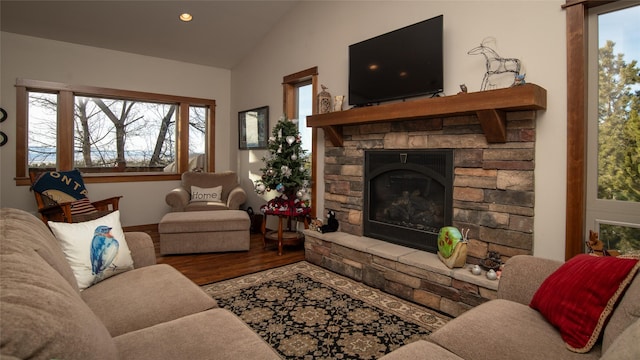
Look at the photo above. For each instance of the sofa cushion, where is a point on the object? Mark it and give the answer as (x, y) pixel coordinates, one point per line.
(227, 179)
(626, 313)
(19, 228)
(579, 297)
(504, 330)
(145, 297)
(214, 334)
(199, 194)
(522, 276)
(43, 316)
(95, 249)
(420, 349)
(61, 186)
(626, 346)
(205, 206)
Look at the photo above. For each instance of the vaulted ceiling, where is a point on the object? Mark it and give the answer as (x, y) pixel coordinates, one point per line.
(221, 33)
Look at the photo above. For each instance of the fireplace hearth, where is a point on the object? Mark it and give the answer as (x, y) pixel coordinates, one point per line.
(408, 196)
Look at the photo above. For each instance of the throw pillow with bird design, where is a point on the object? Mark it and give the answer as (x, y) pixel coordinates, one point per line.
(95, 249)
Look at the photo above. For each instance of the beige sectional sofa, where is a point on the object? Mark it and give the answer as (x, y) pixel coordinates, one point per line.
(507, 328)
(151, 312)
(154, 312)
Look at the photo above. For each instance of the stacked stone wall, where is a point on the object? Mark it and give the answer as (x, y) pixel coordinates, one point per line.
(493, 193)
(413, 275)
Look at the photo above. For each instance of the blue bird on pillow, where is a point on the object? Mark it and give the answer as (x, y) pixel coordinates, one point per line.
(104, 248)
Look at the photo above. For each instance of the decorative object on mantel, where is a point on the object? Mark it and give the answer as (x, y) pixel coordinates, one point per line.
(315, 224)
(463, 89)
(324, 101)
(519, 80)
(492, 261)
(491, 107)
(476, 269)
(491, 275)
(337, 103)
(501, 72)
(452, 246)
(286, 168)
(332, 223)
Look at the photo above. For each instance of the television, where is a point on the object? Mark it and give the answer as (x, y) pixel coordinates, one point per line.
(400, 64)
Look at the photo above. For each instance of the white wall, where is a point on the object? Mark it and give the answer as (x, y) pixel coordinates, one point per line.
(40, 59)
(318, 34)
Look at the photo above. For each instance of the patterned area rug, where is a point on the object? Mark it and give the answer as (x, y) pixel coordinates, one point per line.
(307, 312)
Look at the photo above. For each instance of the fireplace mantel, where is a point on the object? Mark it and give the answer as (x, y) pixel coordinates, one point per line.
(489, 106)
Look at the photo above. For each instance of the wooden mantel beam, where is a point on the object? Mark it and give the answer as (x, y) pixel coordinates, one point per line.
(494, 125)
(334, 134)
(490, 106)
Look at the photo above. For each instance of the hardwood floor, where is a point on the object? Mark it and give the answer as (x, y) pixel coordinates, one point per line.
(211, 267)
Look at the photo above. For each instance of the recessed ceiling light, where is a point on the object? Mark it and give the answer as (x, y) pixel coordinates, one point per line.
(186, 17)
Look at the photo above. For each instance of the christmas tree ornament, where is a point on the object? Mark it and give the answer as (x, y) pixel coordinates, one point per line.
(260, 188)
(285, 170)
(280, 149)
(280, 188)
(290, 139)
(302, 168)
(300, 194)
(294, 157)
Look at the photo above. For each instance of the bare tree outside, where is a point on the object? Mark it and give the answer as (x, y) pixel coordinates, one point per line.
(42, 130)
(119, 134)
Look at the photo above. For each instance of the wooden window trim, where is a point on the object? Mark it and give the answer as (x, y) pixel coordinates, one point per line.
(289, 83)
(66, 94)
(577, 39)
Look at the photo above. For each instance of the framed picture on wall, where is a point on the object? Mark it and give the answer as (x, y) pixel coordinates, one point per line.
(253, 128)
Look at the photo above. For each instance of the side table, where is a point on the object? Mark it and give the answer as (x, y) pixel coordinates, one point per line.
(282, 236)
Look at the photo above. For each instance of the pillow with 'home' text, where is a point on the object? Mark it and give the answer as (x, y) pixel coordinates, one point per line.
(206, 194)
(95, 249)
(579, 297)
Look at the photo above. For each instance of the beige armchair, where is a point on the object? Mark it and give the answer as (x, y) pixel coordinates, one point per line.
(231, 197)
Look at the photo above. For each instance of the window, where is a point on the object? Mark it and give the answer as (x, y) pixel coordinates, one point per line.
(101, 130)
(613, 147)
(299, 90)
(304, 104)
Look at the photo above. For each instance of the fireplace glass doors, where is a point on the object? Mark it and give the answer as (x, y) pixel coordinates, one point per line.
(408, 196)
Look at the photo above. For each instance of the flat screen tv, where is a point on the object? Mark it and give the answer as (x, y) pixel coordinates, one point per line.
(397, 65)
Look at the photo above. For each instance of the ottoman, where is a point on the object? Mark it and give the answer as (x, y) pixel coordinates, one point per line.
(204, 231)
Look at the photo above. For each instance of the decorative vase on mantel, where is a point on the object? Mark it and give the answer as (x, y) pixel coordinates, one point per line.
(324, 101)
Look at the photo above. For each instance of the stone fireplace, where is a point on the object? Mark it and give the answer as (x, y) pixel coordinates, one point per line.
(493, 184)
(490, 137)
(408, 196)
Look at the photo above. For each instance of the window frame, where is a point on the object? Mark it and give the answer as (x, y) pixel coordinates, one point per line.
(65, 144)
(577, 36)
(601, 211)
(289, 86)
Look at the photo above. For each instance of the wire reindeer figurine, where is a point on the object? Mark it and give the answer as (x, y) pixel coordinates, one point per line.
(496, 65)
